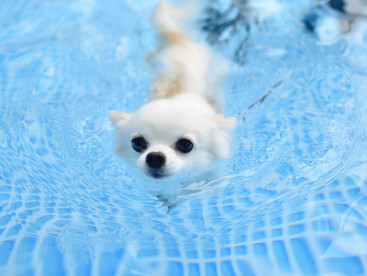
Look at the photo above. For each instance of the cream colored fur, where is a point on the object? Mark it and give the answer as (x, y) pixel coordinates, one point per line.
(184, 103)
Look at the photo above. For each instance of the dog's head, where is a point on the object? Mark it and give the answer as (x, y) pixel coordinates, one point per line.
(164, 138)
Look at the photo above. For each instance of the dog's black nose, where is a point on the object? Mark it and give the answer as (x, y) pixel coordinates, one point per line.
(155, 160)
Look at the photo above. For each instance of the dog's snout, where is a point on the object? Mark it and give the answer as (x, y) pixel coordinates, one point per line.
(155, 160)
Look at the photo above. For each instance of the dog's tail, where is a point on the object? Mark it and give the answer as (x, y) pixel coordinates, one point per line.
(185, 62)
(166, 17)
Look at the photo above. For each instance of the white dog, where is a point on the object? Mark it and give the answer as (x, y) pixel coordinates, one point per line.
(180, 129)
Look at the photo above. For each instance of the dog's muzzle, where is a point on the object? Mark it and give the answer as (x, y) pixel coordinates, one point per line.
(155, 162)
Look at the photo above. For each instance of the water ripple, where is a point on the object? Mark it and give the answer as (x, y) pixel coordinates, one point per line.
(294, 190)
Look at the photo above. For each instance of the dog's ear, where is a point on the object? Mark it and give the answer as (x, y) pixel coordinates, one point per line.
(221, 135)
(119, 117)
(225, 123)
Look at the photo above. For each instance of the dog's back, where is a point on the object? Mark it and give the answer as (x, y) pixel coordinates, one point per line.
(184, 62)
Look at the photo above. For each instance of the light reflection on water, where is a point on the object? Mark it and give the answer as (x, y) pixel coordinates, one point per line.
(293, 199)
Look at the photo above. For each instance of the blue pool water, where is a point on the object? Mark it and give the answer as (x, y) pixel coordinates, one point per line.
(294, 197)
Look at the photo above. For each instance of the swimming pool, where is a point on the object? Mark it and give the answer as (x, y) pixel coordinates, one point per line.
(293, 200)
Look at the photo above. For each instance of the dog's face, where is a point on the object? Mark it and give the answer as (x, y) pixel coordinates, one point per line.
(164, 138)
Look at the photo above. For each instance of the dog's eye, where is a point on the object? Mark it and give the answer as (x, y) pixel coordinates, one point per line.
(184, 145)
(139, 144)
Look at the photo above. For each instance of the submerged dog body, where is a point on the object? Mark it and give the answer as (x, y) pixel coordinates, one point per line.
(180, 129)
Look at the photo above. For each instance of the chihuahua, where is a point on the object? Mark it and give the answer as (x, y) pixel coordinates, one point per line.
(181, 129)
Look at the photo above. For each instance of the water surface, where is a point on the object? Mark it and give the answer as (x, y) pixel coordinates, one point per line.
(294, 200)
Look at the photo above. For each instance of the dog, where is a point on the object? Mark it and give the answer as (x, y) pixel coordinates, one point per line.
(182, 129)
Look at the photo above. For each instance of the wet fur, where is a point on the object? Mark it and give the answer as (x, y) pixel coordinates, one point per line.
(184, 102)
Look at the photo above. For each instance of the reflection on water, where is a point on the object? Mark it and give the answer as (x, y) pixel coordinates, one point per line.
(175, 190)
(292, 199)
